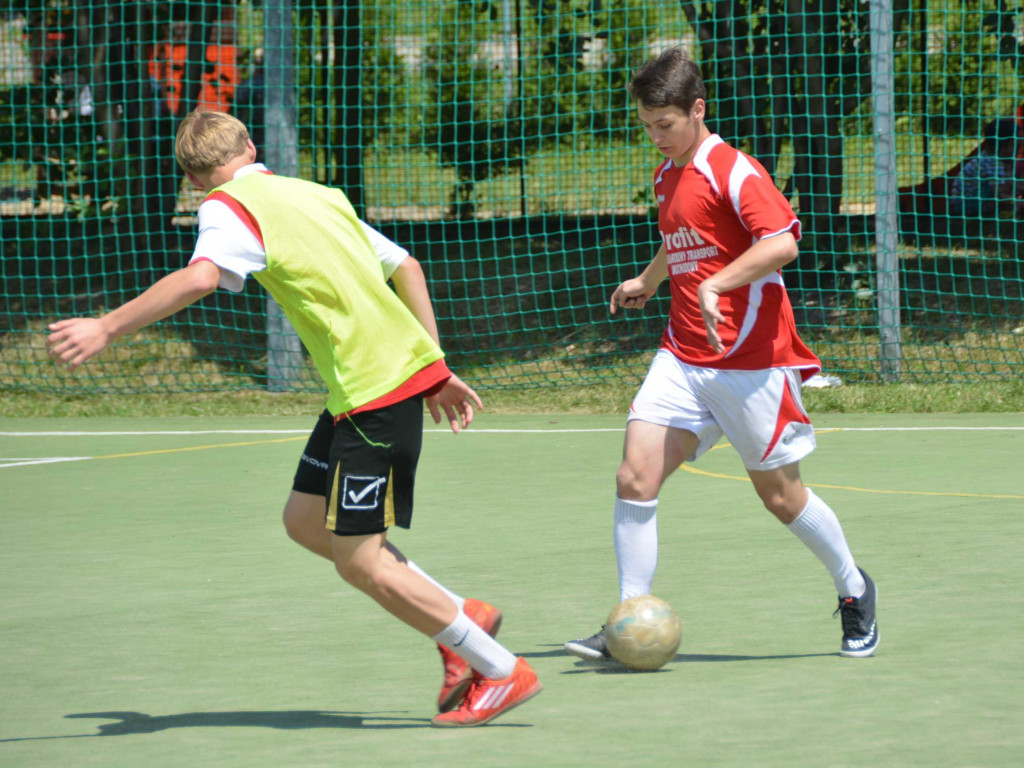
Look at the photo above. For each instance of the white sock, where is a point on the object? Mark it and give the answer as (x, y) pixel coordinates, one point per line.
(481, 651)
(818, 527)
(636, 545)
(451, 595)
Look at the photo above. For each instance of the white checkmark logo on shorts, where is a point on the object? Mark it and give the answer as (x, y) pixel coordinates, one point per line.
(359, 496)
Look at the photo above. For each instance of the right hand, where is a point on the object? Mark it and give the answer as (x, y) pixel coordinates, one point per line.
(75, 340)
(631, 294)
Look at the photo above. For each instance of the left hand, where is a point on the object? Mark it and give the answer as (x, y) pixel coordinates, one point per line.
(456, 399)
(707, 294)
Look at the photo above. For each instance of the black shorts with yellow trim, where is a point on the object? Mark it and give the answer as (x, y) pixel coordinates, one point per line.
(365, 465)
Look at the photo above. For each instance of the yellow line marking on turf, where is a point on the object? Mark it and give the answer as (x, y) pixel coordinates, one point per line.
(855, 489)
(719, 476)
(684, 467)
(199, 448)
(34, 462)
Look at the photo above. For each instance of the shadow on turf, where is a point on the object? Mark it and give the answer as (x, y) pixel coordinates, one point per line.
(139, 722)
(129, 723)
(613, 668)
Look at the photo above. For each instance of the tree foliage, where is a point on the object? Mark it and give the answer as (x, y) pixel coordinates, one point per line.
(969, 69)
(500, 89)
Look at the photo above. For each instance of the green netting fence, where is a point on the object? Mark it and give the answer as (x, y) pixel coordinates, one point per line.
(494, 140)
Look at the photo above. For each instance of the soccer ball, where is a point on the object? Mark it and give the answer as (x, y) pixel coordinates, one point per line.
(642, 632)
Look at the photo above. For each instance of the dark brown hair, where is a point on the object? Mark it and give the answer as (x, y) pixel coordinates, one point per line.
(671, 80)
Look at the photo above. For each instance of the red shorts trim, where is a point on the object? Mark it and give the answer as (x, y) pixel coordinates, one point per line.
(789, 412)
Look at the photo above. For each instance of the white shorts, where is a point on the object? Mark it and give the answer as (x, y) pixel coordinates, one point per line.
(760, 412)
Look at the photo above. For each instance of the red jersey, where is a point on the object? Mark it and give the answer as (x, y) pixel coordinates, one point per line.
(709, 213)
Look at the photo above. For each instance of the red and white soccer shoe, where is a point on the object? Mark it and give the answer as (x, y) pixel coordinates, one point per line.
(457, 673)
(487, 698)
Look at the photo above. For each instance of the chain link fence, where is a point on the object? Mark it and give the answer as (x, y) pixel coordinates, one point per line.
(496, 142)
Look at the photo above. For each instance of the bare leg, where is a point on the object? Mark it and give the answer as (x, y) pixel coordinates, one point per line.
(376, 566)
(650, 454)
(813, 522)
(304, 515)
(371, 566)
(781, 491)
(304, 521)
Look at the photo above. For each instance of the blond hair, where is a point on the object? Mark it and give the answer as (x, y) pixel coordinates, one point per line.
(208, 139)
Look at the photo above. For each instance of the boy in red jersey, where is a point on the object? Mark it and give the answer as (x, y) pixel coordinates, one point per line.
(731, 362)
(379, 357)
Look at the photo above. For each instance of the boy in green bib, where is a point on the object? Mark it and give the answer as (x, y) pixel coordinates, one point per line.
(376, 350)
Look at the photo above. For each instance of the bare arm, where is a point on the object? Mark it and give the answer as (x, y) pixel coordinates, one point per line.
(762, 258)
(75, 340)
(456, 398)
(411, 286)
(634, 293)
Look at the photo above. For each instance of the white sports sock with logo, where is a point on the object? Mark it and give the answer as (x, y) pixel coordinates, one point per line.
(636, 545)
(818, 527)
(459, 601)
(481, 651)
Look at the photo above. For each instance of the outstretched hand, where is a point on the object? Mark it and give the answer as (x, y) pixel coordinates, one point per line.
(456, 399)
(75, 340)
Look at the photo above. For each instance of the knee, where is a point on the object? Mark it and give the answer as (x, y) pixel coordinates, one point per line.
(294, 519)
(785, 506)
(369, 580)
(355, 574)
(632, 484)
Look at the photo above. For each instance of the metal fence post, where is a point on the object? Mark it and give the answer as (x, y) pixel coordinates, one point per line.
(284, 349)
(887, 261)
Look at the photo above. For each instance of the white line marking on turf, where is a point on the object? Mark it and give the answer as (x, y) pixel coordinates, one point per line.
(161, 432)
(285, 432)
(50, 460)
(922, 429)
(469, 430)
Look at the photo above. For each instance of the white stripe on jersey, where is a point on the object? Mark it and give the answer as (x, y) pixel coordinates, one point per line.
(794, 224)
(741, 169)
(700, 159)
(753, 305)
(662, 170)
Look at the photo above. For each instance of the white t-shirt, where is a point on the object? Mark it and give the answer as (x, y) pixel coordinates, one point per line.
(226, 241)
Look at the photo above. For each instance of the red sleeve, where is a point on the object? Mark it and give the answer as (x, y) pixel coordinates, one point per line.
(762, 208)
